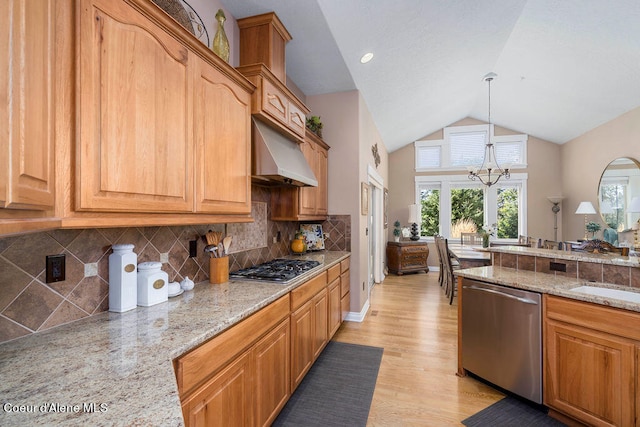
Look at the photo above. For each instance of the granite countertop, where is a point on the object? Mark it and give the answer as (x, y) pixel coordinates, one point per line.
(548, 284)
(116, 368)
(613, 259)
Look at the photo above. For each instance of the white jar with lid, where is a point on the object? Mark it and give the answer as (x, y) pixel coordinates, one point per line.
(153, 284)
(123, 289)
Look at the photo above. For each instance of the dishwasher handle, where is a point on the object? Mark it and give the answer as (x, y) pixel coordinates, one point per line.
(493, 291)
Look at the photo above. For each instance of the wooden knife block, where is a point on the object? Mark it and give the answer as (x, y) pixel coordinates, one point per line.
(219, 270)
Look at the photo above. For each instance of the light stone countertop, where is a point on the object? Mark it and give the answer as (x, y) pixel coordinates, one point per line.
(548, 284)
(613, 259)
(122, 362)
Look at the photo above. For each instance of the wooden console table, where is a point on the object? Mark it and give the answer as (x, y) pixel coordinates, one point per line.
(407, 256)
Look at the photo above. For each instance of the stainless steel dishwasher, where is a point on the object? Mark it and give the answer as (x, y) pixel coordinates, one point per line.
(502, 337)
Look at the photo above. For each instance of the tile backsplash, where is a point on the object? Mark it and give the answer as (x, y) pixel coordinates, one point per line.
(28, 304)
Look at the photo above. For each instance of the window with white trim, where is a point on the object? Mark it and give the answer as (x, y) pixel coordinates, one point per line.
(450, 203)
(464, 146)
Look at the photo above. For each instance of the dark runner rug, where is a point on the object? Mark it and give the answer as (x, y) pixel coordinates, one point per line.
(512, 412)
(337, 390)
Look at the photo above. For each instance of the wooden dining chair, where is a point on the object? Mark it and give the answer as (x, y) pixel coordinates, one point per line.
(449, 276)
(436, 239)
(470, 239)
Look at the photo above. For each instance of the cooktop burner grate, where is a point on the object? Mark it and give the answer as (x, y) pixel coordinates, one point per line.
(277, 270)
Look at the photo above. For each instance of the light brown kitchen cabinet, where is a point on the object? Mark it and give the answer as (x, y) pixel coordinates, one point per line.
(135, 152)
(302, 328)
(334, 303)
(241, 375)
(345, 284)
(262, 60)
(225, 397)
(320, 322)
(590, 365)
(305, 203)
(28, 103)
(273, 368)
(308, 326)
(222, 135)
(247, 373)
(148, 109)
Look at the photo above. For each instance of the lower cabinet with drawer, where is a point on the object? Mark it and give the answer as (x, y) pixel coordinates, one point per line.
(241, 374)
(407, 256)
(245, 375)
(590, 362)
(308, 326)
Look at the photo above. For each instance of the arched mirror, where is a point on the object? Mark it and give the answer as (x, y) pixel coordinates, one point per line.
(619, 194)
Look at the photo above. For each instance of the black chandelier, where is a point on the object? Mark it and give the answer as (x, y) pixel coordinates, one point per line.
(489, 171)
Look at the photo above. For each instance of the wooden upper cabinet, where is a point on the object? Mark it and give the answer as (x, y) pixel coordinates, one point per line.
(27, 109)
(134, 152)
(223, 143)
(262, 41)
(262, 60)
(305, 203)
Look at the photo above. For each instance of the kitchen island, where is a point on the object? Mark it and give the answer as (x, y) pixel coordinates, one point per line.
(117, 368)
(590, 319)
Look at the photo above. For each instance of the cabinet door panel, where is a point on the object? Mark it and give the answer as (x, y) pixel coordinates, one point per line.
(322, 192)
(225, 400)
(320, 322)
(135, 92)
(274, 102)
(27, 110)
(308, 194)
(302, 329)
(335, 308)
(223, 140)
(297, 120)
(590, 375)
(272, 374)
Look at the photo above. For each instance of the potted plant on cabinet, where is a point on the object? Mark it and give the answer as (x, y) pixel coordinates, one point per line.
(314, 124)
(396, 231)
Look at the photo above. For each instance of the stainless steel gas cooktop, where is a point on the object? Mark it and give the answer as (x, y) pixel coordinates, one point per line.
(278, 270)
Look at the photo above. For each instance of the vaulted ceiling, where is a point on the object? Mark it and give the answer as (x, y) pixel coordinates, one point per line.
(564, 66)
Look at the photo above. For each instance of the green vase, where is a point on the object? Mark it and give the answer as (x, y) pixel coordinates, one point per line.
(485, 240)
(220, 43)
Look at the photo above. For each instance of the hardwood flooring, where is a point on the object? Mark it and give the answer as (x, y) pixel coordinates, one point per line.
(417, 384)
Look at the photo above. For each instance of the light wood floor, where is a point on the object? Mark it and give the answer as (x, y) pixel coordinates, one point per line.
(417, 385)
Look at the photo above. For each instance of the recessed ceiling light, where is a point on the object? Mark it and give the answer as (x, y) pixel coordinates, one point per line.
(366, 57)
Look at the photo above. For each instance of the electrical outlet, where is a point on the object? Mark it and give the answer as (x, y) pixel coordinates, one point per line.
(327, 236)
(557, 266)
(55, 271)
(193, 248)
(275, 239)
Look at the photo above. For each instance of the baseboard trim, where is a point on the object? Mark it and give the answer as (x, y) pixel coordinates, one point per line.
(353, 316)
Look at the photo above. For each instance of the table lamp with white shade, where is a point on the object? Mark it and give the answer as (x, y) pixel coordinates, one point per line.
(585, 208)
(414, 219)
(634, 207)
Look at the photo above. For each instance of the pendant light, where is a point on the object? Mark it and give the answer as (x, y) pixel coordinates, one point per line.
(489, 171)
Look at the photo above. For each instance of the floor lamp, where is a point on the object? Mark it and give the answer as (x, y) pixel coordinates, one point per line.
(555, 209)
(634, 207)
(585, 208)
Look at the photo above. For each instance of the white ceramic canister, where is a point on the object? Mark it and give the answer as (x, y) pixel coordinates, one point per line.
(123, 288)
(153, 284)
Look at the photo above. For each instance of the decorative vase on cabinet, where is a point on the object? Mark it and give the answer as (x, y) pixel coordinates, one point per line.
(220, 42)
